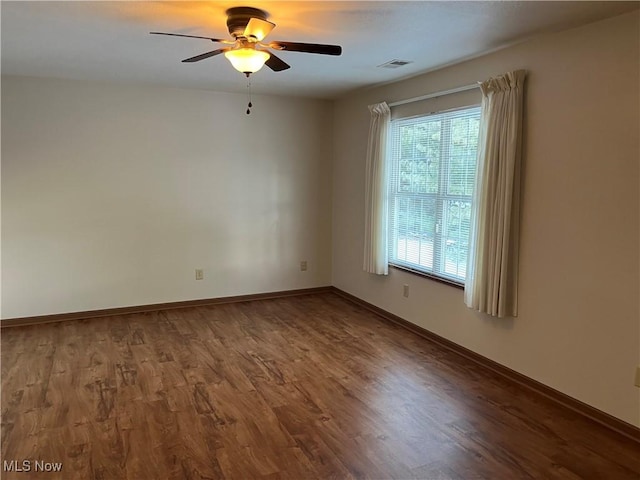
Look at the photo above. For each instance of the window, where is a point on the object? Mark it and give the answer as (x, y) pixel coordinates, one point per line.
(432, 175)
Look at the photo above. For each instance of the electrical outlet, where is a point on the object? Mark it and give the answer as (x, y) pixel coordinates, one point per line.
(405, 290)
(303, 266)
(199, 274)
(638, 376)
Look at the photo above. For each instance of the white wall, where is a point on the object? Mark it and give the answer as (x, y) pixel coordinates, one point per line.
(579, 325)
(113, 195)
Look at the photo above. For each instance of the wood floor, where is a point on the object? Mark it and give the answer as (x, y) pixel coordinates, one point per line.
(301, 388)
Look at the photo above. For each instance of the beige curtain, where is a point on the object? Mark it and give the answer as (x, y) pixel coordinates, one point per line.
(491, 284)
(375, 235)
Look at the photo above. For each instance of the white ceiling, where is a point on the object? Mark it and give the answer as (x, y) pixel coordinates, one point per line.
(110, 41)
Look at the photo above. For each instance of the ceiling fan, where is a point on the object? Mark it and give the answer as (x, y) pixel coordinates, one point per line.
(249, 26)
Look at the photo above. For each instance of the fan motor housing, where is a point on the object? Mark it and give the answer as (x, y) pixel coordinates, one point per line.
(238, 17)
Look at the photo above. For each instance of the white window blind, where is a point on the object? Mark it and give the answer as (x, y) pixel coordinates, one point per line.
(432, 176)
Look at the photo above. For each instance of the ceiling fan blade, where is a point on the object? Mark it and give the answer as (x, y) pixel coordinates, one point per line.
(258, 28)
(202, 56)
(276, 64)
(220, 40)
(307, 48)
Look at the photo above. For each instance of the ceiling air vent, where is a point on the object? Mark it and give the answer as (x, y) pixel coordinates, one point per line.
(395, 64)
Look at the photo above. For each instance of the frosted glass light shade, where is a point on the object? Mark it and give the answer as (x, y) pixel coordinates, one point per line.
(247, 60)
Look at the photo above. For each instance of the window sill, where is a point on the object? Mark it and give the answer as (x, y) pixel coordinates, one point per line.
(430, 277)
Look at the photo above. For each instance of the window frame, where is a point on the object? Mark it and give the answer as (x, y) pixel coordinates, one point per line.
(438, 199)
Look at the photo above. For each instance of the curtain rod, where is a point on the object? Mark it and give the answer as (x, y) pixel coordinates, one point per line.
(435, 94)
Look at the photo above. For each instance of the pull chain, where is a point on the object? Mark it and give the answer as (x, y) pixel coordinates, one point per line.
(249, 105)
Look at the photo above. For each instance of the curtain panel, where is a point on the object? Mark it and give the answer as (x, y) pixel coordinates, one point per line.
(375, 235)
(492, 272)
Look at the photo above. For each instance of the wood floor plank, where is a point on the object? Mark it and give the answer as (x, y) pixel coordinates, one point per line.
(290, 388)
(326, 463)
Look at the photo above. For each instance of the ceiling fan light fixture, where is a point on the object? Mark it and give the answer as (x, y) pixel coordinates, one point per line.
(246, 59)
(248, 26)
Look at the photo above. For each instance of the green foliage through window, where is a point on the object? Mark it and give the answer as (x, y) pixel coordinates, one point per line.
(433, 167)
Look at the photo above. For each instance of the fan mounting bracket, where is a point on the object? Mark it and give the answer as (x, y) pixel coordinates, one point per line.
(238, 18)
